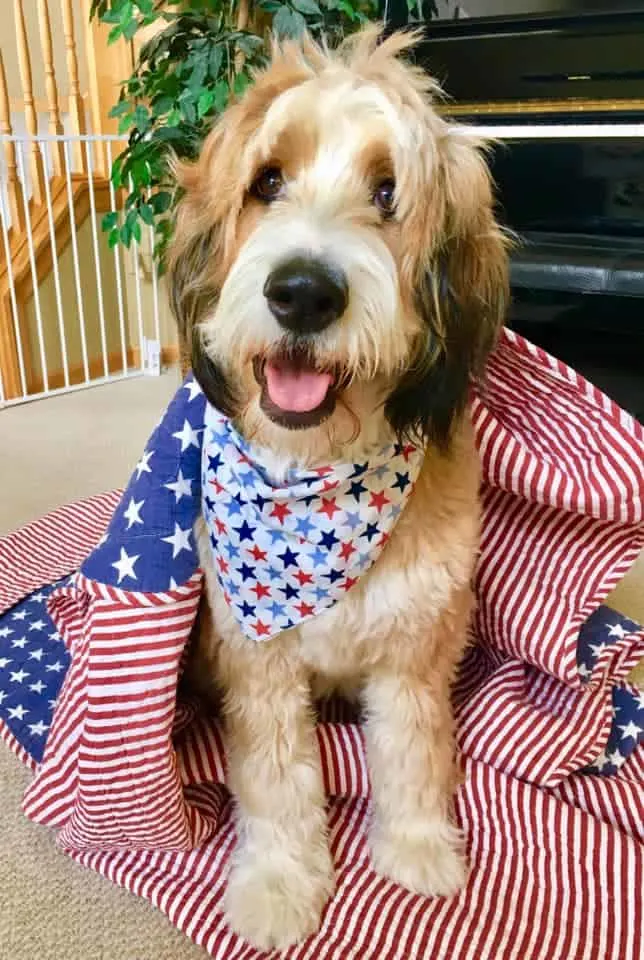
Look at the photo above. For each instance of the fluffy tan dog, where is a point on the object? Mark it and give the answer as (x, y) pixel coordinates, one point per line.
(339, 269)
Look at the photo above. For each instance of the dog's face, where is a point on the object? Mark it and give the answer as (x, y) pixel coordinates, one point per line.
(336, 260)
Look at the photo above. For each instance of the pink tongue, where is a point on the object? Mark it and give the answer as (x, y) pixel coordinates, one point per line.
(297, 391)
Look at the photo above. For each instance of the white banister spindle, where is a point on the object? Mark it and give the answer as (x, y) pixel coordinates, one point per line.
(31, 119)
(53, 106)
(76, 106)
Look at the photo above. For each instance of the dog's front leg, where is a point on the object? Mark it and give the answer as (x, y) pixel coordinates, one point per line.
(282, 873)
(410, 743)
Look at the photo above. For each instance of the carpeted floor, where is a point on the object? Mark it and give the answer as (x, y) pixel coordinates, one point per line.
(52, 452)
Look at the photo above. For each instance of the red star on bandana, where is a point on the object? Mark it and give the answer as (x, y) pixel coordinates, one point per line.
(303, 578)
(348, 583)
(261, 629)
(257, 554)
(379, 500)
(261, 591)
(305, 609)
(281, 511)
(329, 507)
(346, 550)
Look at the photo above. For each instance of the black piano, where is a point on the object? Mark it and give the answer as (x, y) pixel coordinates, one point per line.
(563, 91)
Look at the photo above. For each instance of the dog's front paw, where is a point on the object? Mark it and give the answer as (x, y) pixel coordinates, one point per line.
(274, 900)
(426, 859)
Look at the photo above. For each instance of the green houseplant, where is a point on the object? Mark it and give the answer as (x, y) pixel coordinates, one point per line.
(201, 54)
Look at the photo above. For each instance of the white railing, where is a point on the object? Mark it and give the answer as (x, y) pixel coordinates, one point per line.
(73, 312)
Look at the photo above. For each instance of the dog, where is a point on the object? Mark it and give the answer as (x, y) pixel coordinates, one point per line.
(340, 275)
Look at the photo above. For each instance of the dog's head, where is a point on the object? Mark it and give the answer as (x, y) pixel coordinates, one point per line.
(336, 263)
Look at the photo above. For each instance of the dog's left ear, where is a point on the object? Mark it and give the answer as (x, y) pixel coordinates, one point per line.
(461, 292)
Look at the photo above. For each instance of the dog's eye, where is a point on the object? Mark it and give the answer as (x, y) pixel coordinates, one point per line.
(269, 184)
(384, 197)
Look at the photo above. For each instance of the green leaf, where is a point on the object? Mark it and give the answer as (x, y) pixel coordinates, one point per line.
(164, 228)
(299, 24)
(215, 61)
(198, 74)
(240, 83)
(288, 23)
(130, 29)
(189, 110)
(347, 9)
(161, 105)
(125, 123)
(174, 118)
(125, 235)
(111, 16)
(136, 231)
(123, 106)
(141, 118)
(221, 92)
(127, 11)
(109, 220)
(282, 21)
(205, 102)
(160, 202)
(249, 44)
(307, 7)
(140, 172)
(147, 214)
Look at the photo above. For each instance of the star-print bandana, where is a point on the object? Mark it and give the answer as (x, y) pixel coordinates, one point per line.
(284, 552)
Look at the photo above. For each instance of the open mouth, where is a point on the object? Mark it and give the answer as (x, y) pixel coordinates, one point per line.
(295, 392)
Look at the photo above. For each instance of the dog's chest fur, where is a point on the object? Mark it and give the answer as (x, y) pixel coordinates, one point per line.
(427, 562)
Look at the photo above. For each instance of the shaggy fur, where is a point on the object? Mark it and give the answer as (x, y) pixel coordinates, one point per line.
(427, 289)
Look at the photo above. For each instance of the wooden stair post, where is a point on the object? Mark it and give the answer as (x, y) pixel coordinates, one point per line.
(14, 187)
(55, 125)
(76, 106)
(36, 168)
(108, 67)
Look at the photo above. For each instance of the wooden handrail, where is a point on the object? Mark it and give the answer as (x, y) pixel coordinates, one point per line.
(31, 120)
(14, 187)
(76, 107)
(55, 124)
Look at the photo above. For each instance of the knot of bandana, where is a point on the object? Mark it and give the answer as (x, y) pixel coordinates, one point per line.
(284, 552)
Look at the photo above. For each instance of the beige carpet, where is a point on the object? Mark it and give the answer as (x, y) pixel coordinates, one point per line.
(52, 452)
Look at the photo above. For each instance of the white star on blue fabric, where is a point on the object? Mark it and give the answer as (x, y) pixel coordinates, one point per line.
(143, 466)
(193, 388)
(17, 713)
(188, 436)
(38, 729)
(125, 566)
(180, 540)
(181, 487)
(133, 512)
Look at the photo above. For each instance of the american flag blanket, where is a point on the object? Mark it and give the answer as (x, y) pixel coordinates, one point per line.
(97, 602)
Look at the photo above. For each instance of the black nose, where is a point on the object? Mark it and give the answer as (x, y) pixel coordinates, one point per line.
(306, 296)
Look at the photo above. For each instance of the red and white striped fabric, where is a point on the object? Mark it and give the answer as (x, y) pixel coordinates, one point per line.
(133, 780)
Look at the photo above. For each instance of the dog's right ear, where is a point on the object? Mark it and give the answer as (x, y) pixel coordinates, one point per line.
(193, 268)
